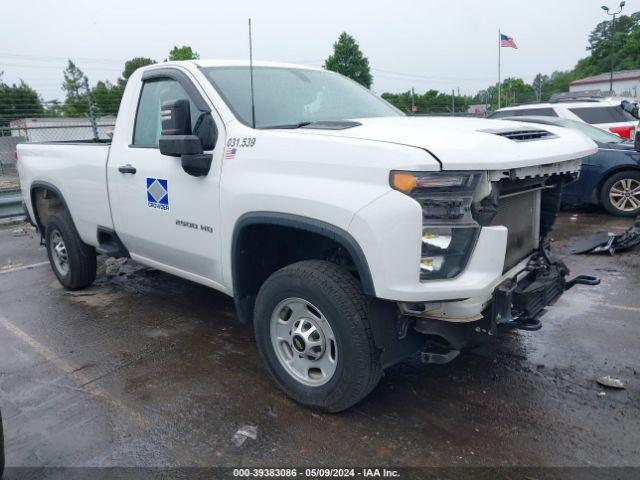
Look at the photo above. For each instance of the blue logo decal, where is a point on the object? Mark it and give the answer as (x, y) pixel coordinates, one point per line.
(158, 193)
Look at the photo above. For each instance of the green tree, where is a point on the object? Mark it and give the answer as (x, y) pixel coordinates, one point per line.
(431, 101)
(399, 100)
(599, 59)
(183, 53)
(76, 103)
(18, 101)
(131, 66)
(348, 60)
(106, 98)
(54, 109)
(539, 83)
(630, 52)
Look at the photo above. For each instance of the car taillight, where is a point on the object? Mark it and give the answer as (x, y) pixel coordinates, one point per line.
(624, 132)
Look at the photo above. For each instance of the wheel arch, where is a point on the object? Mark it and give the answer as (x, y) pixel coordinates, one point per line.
(42, 185)
(244, 289)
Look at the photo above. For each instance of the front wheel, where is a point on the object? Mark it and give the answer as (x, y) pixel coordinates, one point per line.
(313, 332)
(620, 194)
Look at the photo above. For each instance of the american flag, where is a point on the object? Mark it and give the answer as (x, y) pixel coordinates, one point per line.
(507, 41)
(230, 153)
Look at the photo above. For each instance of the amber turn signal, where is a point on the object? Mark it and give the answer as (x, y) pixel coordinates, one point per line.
(405, 182)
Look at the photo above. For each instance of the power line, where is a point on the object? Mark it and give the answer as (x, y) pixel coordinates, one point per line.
(59, 67)
(47, 58)
(428, 77)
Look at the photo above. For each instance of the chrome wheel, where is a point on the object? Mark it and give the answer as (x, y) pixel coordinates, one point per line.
(59, 253)
(304, 342)
(625, 194)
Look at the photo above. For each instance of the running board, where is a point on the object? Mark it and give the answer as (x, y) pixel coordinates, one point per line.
(109, 244)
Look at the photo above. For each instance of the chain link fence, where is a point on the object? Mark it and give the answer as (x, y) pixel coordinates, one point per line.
(36, 130)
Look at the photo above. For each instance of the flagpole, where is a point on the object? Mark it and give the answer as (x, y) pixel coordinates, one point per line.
(499, 54)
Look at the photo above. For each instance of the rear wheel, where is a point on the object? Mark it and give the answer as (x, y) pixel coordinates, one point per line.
(72, 261)
(620, 194)
(312, 330)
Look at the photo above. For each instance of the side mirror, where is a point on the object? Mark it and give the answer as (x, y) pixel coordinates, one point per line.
(178, 140)
(176, 117)
(631, 108)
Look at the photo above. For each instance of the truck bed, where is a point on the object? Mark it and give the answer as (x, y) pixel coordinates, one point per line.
(78, 171)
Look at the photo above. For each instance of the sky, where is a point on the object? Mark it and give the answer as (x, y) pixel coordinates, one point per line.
(421, 44)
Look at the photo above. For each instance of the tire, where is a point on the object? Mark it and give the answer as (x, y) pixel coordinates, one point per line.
(332, 303)
(614, 189)
(73, 262)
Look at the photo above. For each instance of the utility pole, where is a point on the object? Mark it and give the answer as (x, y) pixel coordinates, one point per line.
(613, 38)
(453, 102)
(92, 112)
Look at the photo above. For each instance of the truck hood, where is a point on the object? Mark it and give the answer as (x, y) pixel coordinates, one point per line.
(472, 143)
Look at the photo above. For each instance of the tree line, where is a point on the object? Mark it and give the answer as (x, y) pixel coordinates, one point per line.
(626, 56)
(19, 100)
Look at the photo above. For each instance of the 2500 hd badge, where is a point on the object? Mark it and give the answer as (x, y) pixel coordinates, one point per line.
(195, 226)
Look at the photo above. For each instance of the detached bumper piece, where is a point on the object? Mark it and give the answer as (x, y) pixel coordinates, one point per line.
(520, 304)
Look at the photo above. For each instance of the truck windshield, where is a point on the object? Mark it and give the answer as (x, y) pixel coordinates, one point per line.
(294, 97)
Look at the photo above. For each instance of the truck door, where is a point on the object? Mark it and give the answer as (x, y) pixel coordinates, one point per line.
(165, 217)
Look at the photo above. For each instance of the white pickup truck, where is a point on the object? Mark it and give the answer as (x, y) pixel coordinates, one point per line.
(350, 234)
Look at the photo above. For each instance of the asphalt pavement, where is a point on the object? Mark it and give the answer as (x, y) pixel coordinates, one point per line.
(146, 369)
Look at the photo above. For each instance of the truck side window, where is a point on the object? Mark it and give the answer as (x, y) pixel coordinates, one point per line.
(146, 130)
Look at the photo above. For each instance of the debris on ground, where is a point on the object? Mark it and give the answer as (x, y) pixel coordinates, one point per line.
(9, 264)
(607, 242)
(244, 432)
(611, 382)
(602, 394)
(113, 266)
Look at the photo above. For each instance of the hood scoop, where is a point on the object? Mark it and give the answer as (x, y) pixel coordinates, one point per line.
(521, 135)
(332, 124)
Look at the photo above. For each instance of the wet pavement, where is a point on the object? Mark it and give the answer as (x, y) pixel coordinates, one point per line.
(146, 369)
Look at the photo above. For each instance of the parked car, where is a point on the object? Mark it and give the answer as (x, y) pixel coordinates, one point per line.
(605, 113)
(610, 177)
(350, 234)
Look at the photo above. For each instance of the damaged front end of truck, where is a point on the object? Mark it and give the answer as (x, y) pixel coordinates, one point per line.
(526, 202)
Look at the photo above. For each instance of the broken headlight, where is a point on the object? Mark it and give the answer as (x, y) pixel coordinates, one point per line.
(448, 229)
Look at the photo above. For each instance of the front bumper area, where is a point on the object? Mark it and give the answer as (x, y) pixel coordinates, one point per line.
(517, 303)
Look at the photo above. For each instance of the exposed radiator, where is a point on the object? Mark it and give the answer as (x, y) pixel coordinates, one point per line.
(520, 213)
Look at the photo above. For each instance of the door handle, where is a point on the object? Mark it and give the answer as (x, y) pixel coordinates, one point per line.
(127, 169)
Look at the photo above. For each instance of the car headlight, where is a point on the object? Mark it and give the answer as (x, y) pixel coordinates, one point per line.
(448, 228)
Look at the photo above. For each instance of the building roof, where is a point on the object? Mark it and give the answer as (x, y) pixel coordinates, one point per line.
(618, 76)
